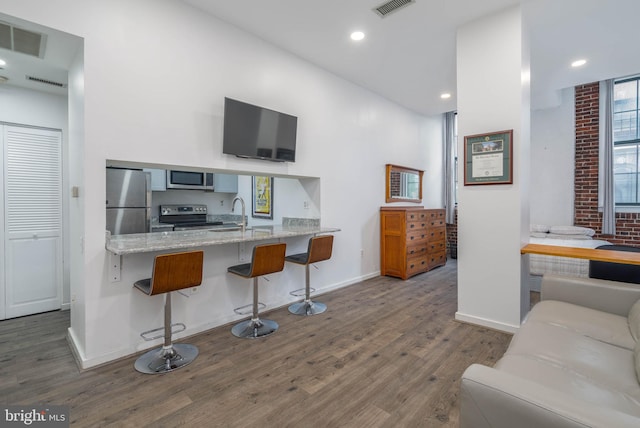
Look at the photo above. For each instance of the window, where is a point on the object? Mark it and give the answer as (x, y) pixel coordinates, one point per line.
(455, 150)
(626, 140)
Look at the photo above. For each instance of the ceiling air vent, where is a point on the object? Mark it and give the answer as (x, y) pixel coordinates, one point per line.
(391, 6)
(46, 82)
(21, 40)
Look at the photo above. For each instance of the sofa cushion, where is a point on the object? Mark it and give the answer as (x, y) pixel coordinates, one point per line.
(634, 320)
(558, 350)
(598, 325)
(561, 379)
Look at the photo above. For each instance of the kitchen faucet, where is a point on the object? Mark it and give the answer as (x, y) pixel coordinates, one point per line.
(233, 205)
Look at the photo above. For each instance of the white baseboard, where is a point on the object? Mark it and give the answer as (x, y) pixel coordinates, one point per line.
(88, 363)
(492, 324)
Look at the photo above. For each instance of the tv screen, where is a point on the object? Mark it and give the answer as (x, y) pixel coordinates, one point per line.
(255, 132)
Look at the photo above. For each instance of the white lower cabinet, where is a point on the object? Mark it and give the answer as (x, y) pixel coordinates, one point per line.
(33, 267)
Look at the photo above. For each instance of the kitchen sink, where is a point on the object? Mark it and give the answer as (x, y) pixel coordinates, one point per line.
(257, 229)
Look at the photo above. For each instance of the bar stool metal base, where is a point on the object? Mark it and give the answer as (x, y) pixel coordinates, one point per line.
(254, 328)
(165, 360)
(306, 308)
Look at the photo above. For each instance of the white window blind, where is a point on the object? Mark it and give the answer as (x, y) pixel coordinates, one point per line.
(33, 174)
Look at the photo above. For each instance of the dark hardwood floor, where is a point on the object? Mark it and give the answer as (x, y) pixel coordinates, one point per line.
(387, 353)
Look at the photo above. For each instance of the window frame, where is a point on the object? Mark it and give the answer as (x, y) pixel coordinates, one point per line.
(631, 142)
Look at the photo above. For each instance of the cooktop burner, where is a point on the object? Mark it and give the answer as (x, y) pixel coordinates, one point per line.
(186, 216)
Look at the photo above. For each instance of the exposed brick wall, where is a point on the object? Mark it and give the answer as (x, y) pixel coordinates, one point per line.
(586, 172)
(452, 236)
(586, 157)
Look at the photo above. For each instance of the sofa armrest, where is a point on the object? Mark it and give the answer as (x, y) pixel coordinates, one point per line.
(491, 398)
(608, 296)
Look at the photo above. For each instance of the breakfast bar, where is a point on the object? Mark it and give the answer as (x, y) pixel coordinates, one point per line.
(212, 303)
(180, 240)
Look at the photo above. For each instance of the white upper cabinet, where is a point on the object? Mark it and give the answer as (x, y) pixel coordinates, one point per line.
(158, 179)
(225, 183)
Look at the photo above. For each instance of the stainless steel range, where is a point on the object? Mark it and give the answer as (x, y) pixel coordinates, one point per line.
(185, 217)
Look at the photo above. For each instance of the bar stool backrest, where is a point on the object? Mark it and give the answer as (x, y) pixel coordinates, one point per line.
(176, 271)
(320, 248)
(267, 258)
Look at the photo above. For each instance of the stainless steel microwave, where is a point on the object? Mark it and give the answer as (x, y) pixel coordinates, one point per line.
(189, 180)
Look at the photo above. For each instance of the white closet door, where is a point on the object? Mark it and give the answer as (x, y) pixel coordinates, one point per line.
(33, 220)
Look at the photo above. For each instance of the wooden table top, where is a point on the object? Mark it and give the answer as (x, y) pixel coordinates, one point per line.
(625, 257)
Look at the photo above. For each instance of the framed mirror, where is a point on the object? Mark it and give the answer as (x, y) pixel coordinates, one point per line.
(404, 184)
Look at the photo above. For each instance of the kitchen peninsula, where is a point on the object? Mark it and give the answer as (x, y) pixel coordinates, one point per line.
(180, 240)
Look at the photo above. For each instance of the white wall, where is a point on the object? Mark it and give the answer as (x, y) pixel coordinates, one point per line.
(553, 162)
(33, 108)
(493, 220)
(155, 76)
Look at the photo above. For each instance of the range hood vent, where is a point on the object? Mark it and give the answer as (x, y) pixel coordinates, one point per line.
(391, 6)
(46, 81)
(21, 40)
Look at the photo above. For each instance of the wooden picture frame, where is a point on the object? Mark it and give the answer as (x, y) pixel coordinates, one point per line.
(403, 184)
(262, 197)
(488, 158)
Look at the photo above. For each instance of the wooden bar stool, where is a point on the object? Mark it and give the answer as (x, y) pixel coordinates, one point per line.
(266, 259)
(320, 248)
(171, 272)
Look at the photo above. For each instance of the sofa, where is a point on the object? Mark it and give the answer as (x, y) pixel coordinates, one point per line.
(574, 362)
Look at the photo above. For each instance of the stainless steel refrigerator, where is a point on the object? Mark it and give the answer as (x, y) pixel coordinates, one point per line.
(128, 201)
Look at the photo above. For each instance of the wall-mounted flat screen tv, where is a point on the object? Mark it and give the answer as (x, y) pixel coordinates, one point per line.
(256, 132)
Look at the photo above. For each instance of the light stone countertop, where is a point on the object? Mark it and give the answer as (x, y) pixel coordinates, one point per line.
(159, 241)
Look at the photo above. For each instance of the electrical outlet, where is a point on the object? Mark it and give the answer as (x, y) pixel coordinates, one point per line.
(222, 202)
(306, 205)
(361, 252)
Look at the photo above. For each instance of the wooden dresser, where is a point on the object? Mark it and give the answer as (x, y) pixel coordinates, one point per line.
(412, 240)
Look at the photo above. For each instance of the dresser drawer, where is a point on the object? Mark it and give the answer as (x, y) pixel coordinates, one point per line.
(417, 225)
(438, 222)
(437, 259)
(435, 214)
(417, 265)
(417, 236)
(437, 234)
(417, 250)
(417, 215)
(436, 247)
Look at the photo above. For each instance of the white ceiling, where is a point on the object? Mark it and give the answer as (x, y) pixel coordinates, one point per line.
(408, 56)
(60, 49)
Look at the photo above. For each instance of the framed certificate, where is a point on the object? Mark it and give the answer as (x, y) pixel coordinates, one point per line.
(488, 158)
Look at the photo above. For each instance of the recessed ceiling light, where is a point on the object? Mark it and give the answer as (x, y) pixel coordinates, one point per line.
(357, 35)
(2, 62)
(578, 63)
(445, 95)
